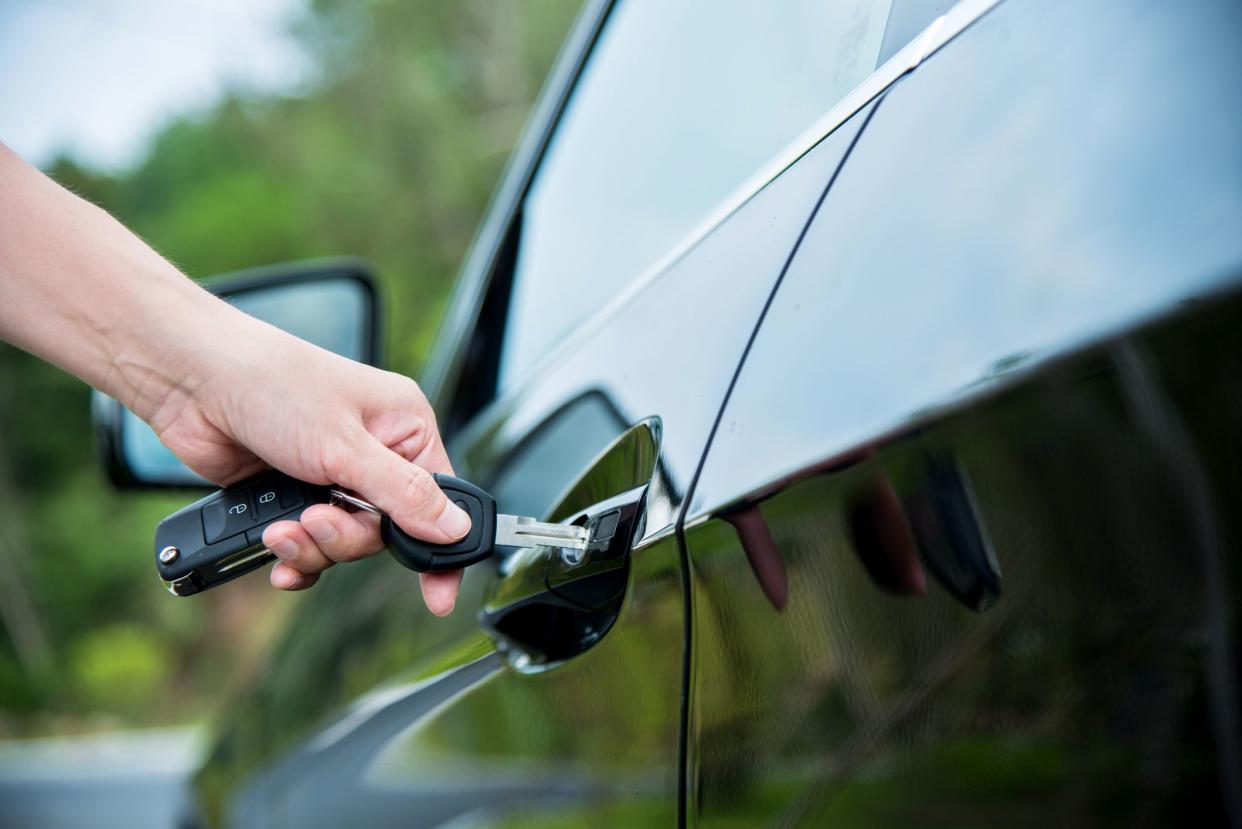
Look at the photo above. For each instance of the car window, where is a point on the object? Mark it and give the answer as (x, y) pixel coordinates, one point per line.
(677, 105)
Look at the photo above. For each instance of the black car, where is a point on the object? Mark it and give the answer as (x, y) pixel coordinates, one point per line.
(899, 347)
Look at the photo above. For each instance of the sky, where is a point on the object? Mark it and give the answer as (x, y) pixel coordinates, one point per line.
(97, 78)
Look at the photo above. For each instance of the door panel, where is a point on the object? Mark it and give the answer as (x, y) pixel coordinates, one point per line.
(975, 566)
(1011, 614)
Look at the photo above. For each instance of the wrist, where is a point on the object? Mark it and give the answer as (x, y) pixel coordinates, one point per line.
(171, 351)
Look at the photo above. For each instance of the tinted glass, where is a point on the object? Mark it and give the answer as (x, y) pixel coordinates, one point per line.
(331, 313)
(679, 103)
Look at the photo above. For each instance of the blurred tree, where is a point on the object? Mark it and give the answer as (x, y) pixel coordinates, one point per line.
(390, 154)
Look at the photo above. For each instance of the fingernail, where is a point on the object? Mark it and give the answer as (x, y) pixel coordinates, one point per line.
(453, 521)
(284, 548)
(322, 531)
(439, 601)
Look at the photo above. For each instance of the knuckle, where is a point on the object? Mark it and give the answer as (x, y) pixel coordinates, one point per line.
(417, 400)
(339, 454)
(409, 386)
(294, 548)
(351, 546)
(355, 550)
(419, 430)
(304, 559)
(338, 549)
(346, 553)
(418, 439)
(288, 549)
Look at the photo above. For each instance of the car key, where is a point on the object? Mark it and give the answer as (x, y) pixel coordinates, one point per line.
(220, 537)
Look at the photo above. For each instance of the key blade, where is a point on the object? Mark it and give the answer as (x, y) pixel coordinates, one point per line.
(520, 531)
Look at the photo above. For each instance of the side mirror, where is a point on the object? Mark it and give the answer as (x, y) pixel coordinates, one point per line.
(333, 303)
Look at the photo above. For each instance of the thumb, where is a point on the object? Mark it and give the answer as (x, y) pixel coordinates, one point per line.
(405, 491)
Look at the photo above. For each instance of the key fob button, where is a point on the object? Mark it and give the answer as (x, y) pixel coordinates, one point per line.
(254, 535)
(226, 516)
(289, 494)
(267, 501)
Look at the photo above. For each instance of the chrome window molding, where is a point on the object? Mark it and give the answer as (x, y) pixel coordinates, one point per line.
(472, 285)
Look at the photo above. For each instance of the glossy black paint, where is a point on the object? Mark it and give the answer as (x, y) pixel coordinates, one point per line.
(960, 551)
(978, 565)
(398, 756)
(1082, 667)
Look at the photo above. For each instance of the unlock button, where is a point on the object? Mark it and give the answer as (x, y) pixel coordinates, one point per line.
(228, 515)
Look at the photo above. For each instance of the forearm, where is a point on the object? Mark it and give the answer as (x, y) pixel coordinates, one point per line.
(81, 291)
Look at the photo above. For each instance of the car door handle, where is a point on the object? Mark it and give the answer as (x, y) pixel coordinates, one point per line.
(549, 604)
(552, 603)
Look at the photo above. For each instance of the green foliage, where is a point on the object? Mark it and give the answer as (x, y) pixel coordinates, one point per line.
(390, 155)
(118, 668)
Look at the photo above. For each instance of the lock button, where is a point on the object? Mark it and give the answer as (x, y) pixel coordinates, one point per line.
(227, 516)
(271, 499)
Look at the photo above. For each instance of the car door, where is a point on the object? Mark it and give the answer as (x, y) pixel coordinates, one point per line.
(596, 327)
(978, 564)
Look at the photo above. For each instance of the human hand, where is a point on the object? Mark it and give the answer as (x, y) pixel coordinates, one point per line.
(250, 395)
(227, 393)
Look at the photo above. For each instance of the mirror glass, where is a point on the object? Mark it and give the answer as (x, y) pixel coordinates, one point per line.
(333, 313)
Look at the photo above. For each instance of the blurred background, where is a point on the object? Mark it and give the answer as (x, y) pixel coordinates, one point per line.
(228, 134)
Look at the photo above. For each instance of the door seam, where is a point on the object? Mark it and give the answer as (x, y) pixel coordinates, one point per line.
(683, 549)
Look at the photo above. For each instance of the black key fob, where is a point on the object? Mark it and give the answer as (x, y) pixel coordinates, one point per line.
(478, 544)
(220, 537)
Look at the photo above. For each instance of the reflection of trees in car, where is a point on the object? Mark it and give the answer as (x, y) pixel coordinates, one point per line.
(896, 637)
